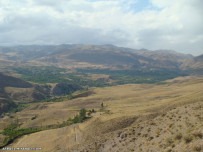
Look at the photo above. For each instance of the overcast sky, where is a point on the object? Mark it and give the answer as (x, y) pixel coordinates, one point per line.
(151, 24)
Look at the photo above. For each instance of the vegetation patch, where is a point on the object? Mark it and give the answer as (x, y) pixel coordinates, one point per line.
(188, 138)
(81, 93)
(20, 107)
(134, 76)
(51, 74)
(14, 131)
(79, 118)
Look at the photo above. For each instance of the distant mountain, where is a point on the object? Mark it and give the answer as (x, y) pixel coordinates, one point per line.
(167, 55)
(194, 65)
(96, 56)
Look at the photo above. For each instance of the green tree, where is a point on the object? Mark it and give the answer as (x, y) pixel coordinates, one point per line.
(83, 114)
(102, 105)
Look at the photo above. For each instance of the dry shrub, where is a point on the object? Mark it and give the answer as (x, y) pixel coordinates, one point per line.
(188, 138)
(178, 136)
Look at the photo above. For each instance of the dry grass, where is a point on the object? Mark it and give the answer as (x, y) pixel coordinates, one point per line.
(20, 94)
(130, 107)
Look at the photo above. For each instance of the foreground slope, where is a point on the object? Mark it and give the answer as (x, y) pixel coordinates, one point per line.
(134, 118)
(179, 130)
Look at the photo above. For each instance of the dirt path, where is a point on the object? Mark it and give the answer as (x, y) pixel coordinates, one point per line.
(76, 139)
(76, 132)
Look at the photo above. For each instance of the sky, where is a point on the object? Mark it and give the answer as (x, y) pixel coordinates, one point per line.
(151, 24)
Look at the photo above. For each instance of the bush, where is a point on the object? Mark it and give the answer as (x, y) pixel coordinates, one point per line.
(178, 136)
(83, 114)
(188, 139)
(197, 148)
(76, 119)
(34, 117)
(79, 118)
(13, 132)
(90, 112)
(198, 134)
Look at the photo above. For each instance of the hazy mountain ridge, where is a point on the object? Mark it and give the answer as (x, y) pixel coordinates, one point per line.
(194, 65)
(107, 56)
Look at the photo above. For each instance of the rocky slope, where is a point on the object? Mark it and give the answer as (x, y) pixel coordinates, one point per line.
(179, 129)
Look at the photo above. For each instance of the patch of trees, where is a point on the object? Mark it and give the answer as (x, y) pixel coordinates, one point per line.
(59, 75)
(49, 74)
(14, 131)
(134, 76)
(79, 118)
(64, 88)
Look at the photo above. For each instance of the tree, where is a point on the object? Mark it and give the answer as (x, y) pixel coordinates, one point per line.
(102, 104)
(83, 114)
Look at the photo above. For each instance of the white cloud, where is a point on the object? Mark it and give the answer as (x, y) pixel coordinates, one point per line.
(166, 25)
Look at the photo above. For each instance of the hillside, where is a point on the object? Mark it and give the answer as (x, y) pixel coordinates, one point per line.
(15, 91)
(44, 90)
(92, 65)
(173, 130)
(141, 116)
(94, 56)
(9, 81)
(194, 65)
(6, 102)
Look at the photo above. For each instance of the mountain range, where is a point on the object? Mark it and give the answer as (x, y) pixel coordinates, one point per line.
(99, 98)
(98, 56)
(100, 64)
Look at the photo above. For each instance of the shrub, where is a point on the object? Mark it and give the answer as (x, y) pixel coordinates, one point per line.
(188, 138)
(79, 118)
(34, 117)
(11, 116)
(197, 148)
(102, 105)
(83, 114)
(90, 112)
(169, 141)
(76, 119)
(178, 136)
(197, 134)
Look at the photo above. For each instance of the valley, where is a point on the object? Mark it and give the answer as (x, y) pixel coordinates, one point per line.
(100, 98)
(135, 104)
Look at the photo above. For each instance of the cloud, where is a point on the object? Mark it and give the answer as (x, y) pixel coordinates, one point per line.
(151, 24)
